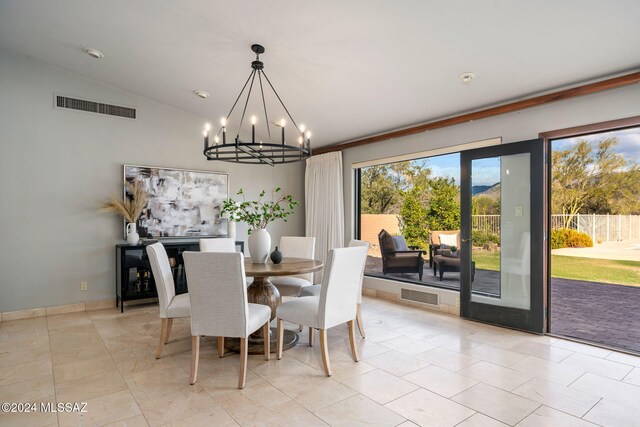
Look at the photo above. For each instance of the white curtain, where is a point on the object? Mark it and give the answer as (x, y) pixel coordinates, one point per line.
(324, 204)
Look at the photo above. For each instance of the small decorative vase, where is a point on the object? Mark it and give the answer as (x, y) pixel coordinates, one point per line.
(132, 234)
(231, 229)
(276, 256)
(259, 245)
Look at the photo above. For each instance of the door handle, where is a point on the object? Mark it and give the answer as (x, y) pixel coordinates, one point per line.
(466, 240)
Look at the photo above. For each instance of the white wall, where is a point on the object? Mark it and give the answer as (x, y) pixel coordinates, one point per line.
(518, 126)
(57, 166)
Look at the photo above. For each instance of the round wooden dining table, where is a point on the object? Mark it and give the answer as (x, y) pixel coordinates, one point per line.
(262, 291)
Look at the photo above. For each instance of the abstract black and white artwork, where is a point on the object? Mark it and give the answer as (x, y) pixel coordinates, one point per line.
(181, 203)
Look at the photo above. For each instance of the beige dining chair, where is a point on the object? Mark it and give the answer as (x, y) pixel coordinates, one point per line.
(171, 305)
(222, 244)
(222, 310)
(296, 247)
(336, 304)
(315, 291)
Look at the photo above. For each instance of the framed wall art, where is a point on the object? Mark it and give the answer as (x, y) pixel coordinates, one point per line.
(181, 202)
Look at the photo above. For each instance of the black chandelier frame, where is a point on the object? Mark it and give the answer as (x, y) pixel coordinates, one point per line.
(257, 152)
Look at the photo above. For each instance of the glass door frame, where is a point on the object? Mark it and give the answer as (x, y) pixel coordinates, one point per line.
(529, 320)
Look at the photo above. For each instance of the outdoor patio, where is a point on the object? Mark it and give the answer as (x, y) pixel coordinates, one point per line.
(597, 312)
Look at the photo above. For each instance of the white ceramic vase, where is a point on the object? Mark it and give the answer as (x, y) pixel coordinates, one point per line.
(231, 229)
(259, 245)
(132, 234)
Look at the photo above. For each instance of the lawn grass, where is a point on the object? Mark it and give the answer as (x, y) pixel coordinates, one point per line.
(565, 267)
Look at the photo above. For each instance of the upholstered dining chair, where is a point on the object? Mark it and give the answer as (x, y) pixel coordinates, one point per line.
(171, 305)
(222, 310)
(297, 247)
(315, 291)
(336, 304)
(223, 244)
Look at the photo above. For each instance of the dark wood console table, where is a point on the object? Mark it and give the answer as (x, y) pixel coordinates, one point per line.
(134, 279)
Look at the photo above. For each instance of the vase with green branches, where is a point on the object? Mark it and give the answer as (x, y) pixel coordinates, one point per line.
(258, 214)
(130, 208)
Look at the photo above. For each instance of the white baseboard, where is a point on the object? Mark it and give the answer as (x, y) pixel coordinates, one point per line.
(58, 309)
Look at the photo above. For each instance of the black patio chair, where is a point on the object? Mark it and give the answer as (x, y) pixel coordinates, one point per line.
(397, 257)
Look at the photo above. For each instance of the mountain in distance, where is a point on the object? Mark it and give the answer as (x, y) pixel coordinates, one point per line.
(491, 191)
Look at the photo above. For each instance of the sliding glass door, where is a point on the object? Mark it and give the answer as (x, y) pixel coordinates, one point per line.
(502, 254)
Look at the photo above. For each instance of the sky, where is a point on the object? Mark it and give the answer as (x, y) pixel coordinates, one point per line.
(628, 142)
(485, 171)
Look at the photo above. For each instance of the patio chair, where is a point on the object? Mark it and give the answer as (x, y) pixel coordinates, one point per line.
(435, 244)
(397, 257)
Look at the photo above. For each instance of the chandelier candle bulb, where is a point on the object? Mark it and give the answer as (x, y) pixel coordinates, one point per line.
(205, 133)
(282, 124)
(223, 122)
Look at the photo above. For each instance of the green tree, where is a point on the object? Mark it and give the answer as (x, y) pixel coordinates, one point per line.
(383, 187)
(444, 206)
(592, 178)
(413, 219)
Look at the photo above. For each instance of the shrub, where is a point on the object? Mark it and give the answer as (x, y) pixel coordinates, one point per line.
(480, 237)
(569, 238)
(413, 221)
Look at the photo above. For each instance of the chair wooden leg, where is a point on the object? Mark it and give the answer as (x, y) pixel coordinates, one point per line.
(359, 321)
(324, 351)
(267, 340)
(243, 362)
(352, 340)
(311, 337)
(220, 346)
(163, 333)
(195, 357)
(169, 325)
(280, 338)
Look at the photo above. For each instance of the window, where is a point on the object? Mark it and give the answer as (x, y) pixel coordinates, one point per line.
(398, 207)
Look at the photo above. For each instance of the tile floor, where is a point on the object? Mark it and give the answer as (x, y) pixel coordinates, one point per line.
(418, 368)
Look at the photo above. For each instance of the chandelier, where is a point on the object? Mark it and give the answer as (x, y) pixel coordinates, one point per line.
(276, 148)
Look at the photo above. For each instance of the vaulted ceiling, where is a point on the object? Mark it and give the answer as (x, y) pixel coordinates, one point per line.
(345, 68)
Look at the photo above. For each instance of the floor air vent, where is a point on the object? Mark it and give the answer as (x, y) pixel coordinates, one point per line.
(421, 297)
(94, 107)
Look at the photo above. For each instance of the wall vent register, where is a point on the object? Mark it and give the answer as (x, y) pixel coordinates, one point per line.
(421, 297)
(94, 107)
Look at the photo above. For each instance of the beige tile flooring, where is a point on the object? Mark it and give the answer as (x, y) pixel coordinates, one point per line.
(418, 368)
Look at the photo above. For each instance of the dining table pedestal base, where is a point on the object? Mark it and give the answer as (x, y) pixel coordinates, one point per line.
(262, 291)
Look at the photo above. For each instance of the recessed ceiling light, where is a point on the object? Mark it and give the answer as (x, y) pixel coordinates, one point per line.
(94, 53)
(467, 77)
(201, 94)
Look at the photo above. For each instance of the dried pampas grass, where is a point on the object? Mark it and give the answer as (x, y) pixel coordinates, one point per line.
(130, 208)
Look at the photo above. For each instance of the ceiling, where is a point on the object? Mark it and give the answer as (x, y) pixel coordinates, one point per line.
(345, 68)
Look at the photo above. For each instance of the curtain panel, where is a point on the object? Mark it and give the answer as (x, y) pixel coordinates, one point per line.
(324, 204)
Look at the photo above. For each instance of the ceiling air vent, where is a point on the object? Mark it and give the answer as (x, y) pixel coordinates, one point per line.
(421, 297)
(94, 107)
